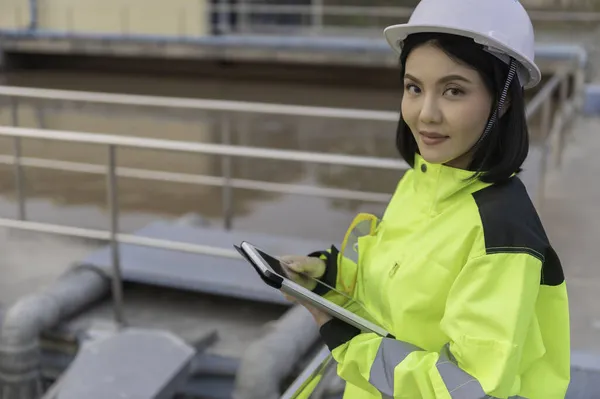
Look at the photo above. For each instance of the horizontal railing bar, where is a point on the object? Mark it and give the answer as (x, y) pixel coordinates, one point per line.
(394, 12)
(187, 178)
(202, 148)
(536, 15)
(543, 95)
(308, 10)
(205, 104)
(104, 235)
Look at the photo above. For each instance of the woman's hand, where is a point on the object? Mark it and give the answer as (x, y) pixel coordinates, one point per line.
(303, 269)
(319, 316)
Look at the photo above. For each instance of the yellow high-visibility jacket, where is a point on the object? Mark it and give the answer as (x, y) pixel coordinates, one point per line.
(463, 276)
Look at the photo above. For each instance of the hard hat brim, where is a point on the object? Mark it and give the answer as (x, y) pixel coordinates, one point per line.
(395, 34)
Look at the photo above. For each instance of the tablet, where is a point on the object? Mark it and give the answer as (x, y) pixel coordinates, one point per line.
(272, 273)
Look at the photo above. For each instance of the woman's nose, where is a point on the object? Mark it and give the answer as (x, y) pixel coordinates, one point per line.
(430, 111)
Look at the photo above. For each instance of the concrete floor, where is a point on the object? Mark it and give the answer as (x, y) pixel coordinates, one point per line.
(571, 214)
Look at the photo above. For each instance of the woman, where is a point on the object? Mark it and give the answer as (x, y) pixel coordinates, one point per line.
(459, 269)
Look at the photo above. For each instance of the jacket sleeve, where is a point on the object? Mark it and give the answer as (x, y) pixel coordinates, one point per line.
(487, 315)
(340, 272)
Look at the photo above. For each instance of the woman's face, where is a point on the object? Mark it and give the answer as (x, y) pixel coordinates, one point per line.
(445, 104)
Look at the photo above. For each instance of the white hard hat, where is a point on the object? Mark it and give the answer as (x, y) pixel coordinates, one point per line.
(502, 26)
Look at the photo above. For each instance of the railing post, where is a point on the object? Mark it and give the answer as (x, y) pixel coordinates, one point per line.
(317, 16)
(182, 23)
(18, 167)
(243, 11)
(223, 11)
(546, 124)
(563, 95)
(69, 18)
(33, 15)
(113, 207)
(18, 17)
(124, 19)
(545, 129)
(226, 161)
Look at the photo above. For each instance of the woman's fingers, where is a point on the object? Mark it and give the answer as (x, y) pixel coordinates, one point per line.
(290, 298)
(300, 279)
(307, 265)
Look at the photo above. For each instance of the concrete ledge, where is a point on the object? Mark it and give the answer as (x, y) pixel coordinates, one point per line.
(313, 50)
(134, 363)
(586, 361)
(591, 105)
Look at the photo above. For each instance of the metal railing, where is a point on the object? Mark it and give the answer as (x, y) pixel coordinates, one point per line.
(319, 18)
(225, 110)
(315, 17)
(112, 142)
(554, 106)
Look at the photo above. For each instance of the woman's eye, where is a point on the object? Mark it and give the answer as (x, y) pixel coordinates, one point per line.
(453, 92)
(412, 89)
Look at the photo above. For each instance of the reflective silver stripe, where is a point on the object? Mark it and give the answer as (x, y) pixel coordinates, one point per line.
(390, 354)
(459, 383)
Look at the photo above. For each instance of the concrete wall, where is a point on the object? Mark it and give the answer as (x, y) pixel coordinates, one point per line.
(155, 17)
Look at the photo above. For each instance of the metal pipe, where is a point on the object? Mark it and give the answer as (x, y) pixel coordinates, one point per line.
(113, 208)
(269, 360)
(25, 320)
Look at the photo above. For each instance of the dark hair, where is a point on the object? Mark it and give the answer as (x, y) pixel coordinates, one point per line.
(502, 152)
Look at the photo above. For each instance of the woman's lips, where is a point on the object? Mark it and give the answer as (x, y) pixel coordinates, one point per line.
(432, 138)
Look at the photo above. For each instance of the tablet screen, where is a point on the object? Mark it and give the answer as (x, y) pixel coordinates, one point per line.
(273, 263)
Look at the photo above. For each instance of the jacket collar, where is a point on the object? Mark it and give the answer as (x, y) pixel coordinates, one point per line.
(438, 186)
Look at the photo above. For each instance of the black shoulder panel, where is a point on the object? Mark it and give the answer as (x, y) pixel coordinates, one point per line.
(511, 224)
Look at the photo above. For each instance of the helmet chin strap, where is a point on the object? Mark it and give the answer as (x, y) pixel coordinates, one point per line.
(512, 70)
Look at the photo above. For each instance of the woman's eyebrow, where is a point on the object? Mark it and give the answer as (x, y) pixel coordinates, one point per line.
(444, 79)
